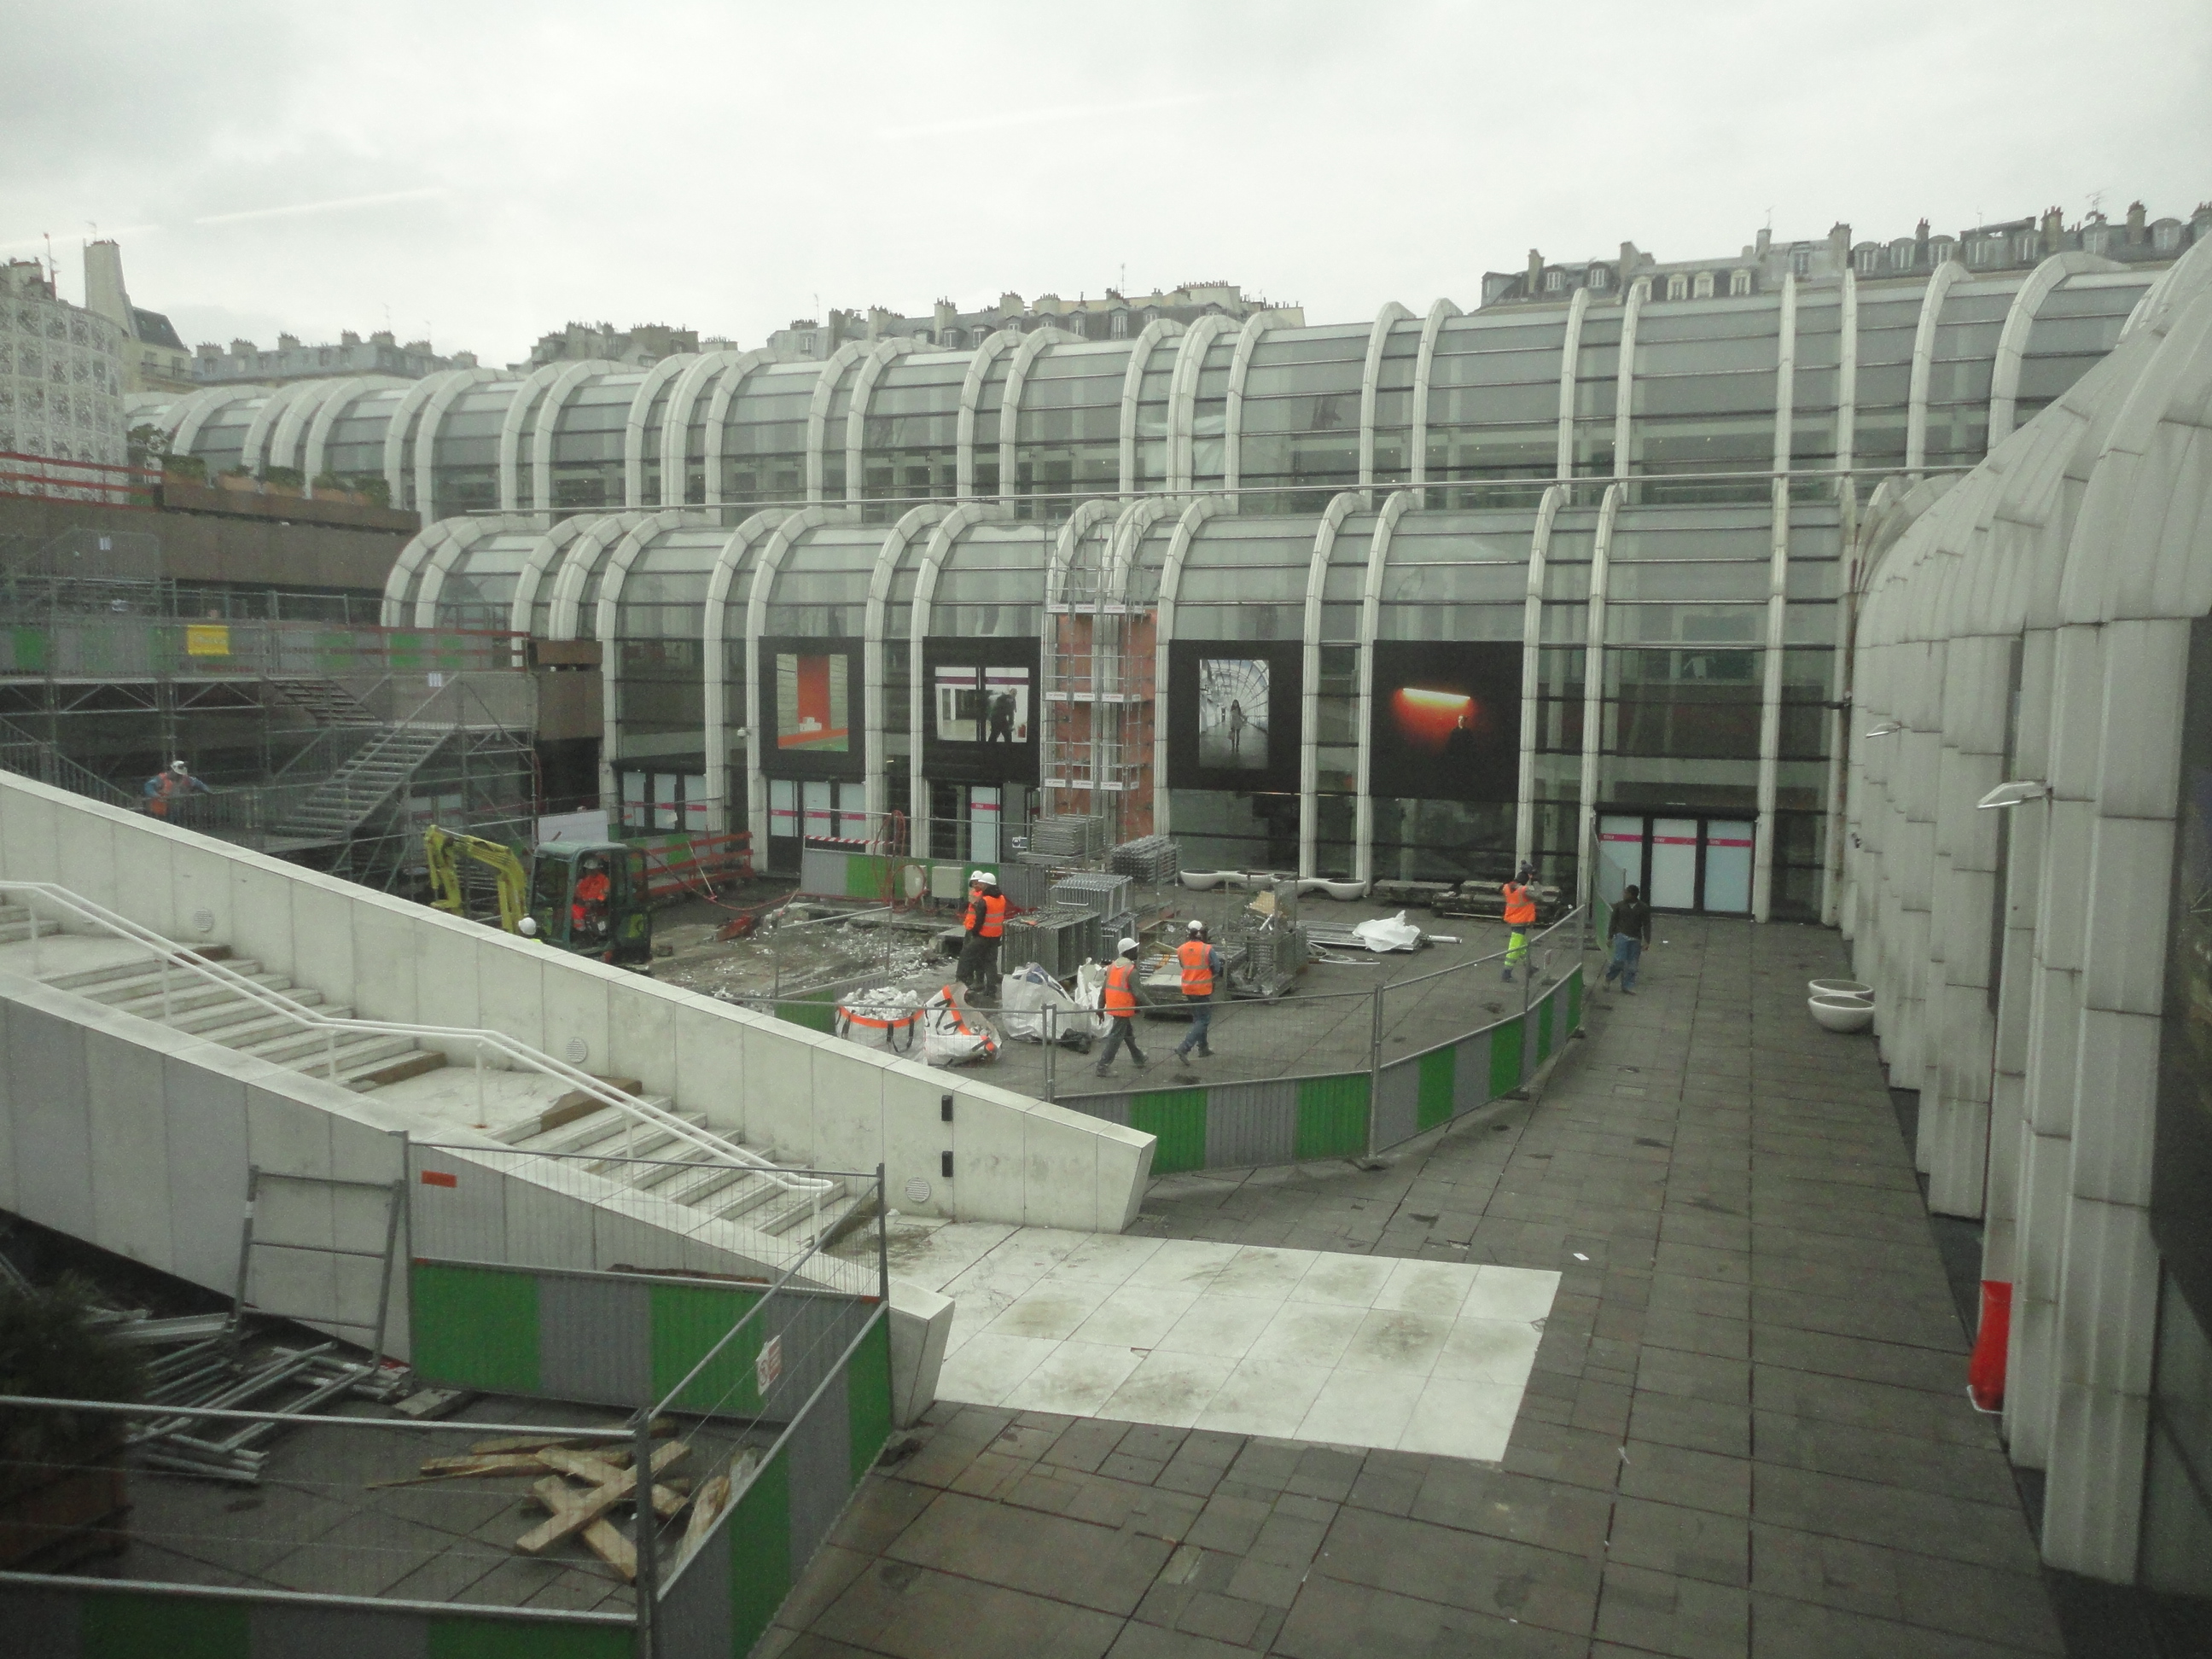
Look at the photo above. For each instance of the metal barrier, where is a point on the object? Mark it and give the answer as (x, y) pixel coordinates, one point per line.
(1417, 1076)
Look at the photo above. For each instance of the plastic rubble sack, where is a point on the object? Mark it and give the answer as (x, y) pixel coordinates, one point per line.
(884, 1014)
(1090, 996)
(1024, 998)
(1389, 933)
(954, 1035)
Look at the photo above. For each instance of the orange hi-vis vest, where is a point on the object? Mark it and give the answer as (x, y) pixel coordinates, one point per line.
(1197, 958)
(1122, 988)
(1520, 905)
(986, 916)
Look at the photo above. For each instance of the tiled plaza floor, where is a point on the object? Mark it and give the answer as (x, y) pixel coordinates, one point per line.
(1746, 1432)
(1250, 1339)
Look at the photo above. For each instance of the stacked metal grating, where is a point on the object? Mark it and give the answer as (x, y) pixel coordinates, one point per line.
(1064, 840)
(1095, 891)
(1149, 859)
(1024, 884)
(1057, 937)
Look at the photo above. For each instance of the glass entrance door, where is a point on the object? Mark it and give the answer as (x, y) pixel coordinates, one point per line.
(1682, 864)
(1674, 884)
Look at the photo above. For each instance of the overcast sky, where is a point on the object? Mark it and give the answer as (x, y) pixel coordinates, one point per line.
(484, 173)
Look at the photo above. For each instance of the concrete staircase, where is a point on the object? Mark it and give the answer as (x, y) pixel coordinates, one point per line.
(724, 1191)
(337, 806)
(221, 1014)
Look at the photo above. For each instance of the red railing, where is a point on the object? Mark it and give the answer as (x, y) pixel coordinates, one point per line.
(52, 479)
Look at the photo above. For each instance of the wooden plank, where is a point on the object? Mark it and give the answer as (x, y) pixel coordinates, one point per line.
(712, 1497)
(601, 1535)
(590, 1506)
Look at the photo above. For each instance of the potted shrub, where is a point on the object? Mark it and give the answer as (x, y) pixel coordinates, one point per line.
(62, 1491)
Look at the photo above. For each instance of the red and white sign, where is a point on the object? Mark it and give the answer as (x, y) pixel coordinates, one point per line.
(768, 1365)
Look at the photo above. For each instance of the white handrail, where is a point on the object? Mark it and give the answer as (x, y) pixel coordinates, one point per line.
(529, 1059)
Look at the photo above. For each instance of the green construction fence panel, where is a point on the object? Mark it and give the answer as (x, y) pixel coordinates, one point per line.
(867, 876)
(1332, 1116)
(1177, 1116)
(474, 1327)
(868, 1396)
(127, 1625)
(689, 1320)
(759, 1533)
(1439, 1073)
(1575, 1001)
(498, 1638)
(1506, 1042)
(1544, 1028)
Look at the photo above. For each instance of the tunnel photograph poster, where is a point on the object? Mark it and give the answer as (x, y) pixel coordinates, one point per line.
(1232, 714)
(1446, 720)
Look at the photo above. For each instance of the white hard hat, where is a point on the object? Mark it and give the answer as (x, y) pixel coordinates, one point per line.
(527, 927)
(176, 765)
(980, 877)
(1126, 946)
(1196, 926)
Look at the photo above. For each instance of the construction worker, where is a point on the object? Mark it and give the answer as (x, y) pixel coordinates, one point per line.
(167, 788)
(1118, 1000)
(1520, 916)
(1200, 962)
(985, 923)
(588, 911)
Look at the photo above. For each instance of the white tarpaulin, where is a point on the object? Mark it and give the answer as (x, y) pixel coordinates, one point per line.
(1389, 933)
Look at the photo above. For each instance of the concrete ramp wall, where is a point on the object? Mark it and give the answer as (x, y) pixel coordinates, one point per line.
(806, 1099)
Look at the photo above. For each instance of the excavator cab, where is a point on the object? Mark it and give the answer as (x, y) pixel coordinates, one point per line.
(590, 898)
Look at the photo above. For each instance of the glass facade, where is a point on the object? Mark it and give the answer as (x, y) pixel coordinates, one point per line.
(1683, 473)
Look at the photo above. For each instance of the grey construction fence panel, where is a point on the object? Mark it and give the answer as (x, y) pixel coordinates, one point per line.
(1398, 1102)
(1251, 1123)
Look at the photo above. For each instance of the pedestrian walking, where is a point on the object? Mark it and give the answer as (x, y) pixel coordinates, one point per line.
(985, 923)
(1520, 917)
(1119, 1001)
(1632, 931)
(1200, 962)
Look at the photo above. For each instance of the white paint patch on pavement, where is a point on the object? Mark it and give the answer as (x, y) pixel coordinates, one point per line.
(1300, 1345)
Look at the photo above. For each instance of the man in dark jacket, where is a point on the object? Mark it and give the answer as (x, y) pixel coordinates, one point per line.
(1632, 931)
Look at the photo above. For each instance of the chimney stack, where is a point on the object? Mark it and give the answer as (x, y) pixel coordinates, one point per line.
(1535, 281)
(2134, 222)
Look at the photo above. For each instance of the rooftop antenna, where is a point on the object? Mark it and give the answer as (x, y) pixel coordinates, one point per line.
(53, 270)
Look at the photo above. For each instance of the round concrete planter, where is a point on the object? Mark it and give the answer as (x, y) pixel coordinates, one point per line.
(1204, 881)
(1841, 1013)
(1840, 987)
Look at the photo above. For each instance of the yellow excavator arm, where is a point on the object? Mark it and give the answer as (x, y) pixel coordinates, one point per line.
(442, 851)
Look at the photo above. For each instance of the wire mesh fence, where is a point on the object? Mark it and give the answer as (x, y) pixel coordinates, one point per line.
(478, 1513)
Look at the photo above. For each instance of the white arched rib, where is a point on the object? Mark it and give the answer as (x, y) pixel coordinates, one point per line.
(434, 409)
(2012, 342)
(584, 556)
(818, 415)
(856, 416)
(1033, 346)
(714, 648)
(647, 529)
(1624, 384)
(1594, 690)
(194, 413)
(896, 539)
(1847, 383)
(1183, 398)
(556, 400)
(1778, 604)
(987, 351)
(947, 531)
(547, 549)
(1431, 326)
(333, 410)
(1132, 385)
(1370, 621)
(461, 534)
(1163, 636)
(253, 453)
(1947, 276)
(1570, 351)
(727, 383)
(1340, 507)
(766, 569)
(398, 428)
(1232, 424)
(519, 410)
(1532, 636)
(1370, 378)
(634, 427)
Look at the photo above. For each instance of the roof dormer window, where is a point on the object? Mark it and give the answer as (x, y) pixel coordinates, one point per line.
(1703, 288)
(1678, 286)
(1739, 283)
